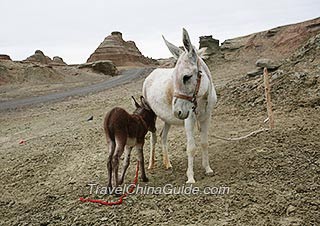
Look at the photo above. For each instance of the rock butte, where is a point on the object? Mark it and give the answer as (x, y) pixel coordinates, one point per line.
(120, 52)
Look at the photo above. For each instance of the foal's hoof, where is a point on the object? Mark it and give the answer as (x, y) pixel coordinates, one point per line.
(145, 179)
(109, 190)
(116, 194)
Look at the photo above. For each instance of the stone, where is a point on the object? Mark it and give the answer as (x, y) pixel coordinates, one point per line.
(4, 57)
(272, 32)
(167, 63)
(211, 44)
(268, 63)
(56, 60)
(232, 44)
(254, 73)
(102, 66)
(120, 52)
(38, 57)
(290, 209)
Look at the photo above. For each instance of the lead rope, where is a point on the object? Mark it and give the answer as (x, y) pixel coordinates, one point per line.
(120, 200)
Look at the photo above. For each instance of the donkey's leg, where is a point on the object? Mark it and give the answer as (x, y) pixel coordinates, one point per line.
(120, 144)
(126, 163)
(164, 137)
(139, 148)
(153, 142)
(204, 125)
(189, 127)
(112, 146)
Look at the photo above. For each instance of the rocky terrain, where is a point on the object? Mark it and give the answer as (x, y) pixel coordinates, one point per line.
(120, 52)
(39, 57)
(277, 43)
(39, 74)
(50, 153)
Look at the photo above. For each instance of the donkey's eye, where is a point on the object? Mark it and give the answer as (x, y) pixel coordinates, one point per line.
(186, 78)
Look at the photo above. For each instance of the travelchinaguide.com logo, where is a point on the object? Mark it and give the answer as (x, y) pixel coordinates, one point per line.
(167, 189)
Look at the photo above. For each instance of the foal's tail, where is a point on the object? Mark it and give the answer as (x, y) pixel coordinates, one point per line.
(108, 129)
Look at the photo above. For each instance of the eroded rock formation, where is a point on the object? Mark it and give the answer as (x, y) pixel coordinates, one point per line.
(4, 57)
(120, 52)
(39, 57)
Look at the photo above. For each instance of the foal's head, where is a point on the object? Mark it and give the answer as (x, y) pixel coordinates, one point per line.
(184, 75)
(143, 109)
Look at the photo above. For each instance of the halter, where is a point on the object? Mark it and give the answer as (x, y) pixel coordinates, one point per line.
(193, 98)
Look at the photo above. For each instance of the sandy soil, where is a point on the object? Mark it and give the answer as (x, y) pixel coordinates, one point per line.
(273, 176)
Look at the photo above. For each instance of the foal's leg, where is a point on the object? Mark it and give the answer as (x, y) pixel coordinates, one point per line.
(139, 148)
(120, 144)
(164, 136)
(204, 125)
(126, 163)
(153, 142)
(189, 127)
(112, 146)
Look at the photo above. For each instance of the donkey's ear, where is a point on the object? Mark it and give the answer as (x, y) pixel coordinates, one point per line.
(135, 103)
(144, 103)
(186, 40)
(176, 51)
(187, 43)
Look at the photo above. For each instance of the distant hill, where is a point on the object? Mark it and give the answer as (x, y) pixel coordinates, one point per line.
(277, 43)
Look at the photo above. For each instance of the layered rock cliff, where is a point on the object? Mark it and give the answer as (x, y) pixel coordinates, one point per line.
(120, 52)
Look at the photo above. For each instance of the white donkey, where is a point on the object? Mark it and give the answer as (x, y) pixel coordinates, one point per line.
(182, 95)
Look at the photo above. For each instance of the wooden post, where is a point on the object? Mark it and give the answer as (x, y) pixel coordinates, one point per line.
(268, 97)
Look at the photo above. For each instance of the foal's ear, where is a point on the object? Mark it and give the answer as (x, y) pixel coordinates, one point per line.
(144, 103)
(176, 51)
(187, 43)
(135, 103)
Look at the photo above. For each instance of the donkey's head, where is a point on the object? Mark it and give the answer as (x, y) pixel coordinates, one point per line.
(185, 76)
(143, 109)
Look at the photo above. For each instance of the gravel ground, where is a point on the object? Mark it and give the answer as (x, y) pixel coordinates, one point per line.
(273, 177)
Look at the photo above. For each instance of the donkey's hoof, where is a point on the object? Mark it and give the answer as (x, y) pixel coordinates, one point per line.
(151, 167)
(167, 165)
(145, 179)
(191, 181)
(209, 172)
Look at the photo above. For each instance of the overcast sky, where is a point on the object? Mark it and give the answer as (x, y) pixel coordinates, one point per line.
(73, 29)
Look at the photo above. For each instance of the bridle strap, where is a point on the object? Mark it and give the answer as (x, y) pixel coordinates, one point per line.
(184, 97)
(193, 98)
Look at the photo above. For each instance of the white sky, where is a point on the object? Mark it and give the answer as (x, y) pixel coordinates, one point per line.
(73, 29)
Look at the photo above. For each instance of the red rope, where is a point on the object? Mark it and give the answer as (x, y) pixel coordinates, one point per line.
(107, 203)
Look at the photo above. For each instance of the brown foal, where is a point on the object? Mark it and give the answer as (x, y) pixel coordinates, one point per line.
(125, 131)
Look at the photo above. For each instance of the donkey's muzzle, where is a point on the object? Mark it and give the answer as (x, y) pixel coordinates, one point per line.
(180, 114)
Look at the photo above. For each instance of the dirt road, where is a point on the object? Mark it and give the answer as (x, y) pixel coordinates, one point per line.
(125, 77)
